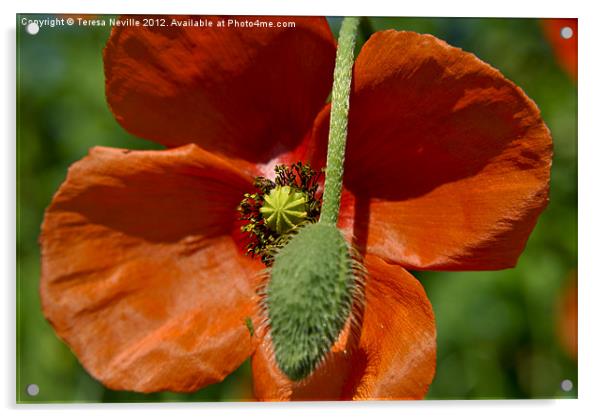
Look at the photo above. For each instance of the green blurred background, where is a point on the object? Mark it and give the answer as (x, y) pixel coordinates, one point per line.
(497, 331)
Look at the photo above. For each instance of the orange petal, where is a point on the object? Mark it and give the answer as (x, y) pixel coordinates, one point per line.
(139, 274)
(394, 358)
(249, 93)
(565, 49)
(311, 150)
(448, 160)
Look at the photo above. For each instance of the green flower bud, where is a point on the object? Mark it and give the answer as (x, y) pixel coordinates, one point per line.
(309, 297)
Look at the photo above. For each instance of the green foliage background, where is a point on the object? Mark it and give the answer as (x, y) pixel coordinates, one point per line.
(496, 330)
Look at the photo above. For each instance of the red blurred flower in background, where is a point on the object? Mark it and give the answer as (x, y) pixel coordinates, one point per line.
(143, 272)
(562, 35)
(567, 316)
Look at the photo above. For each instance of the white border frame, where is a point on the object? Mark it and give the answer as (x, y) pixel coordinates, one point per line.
(590, 150)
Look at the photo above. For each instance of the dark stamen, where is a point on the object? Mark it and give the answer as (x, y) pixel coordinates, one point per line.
(263, 242)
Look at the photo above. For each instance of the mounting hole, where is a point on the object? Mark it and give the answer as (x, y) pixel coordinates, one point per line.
(32, 28)
(566, 32)
(566, 385)
(33, 389)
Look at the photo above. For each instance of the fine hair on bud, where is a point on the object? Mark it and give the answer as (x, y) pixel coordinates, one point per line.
(309, 297)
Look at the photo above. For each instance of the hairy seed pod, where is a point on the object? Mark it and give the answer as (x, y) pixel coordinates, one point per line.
(309, 297)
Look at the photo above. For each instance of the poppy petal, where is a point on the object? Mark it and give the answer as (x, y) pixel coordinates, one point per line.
(449, 161)
(311, 150)
(394, 358)
(249, 93)
(140, 276)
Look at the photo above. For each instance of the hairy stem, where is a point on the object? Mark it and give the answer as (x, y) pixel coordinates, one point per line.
(339, 112)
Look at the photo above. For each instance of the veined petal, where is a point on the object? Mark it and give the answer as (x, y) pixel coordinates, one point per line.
(394, 357)
(140, 276)
(449, 161)
(249, 93)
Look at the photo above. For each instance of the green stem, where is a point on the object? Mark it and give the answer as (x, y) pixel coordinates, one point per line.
(337, 137)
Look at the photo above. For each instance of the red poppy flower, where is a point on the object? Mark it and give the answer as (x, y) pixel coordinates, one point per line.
(143, 271)
(567, 316)
(562, 34)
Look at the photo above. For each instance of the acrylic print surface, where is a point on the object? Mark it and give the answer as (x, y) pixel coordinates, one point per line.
(248, 208)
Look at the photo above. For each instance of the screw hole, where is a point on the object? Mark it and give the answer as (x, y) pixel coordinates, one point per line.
(566, 32)
(566, 385)
(33, 389)
(32, 28)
